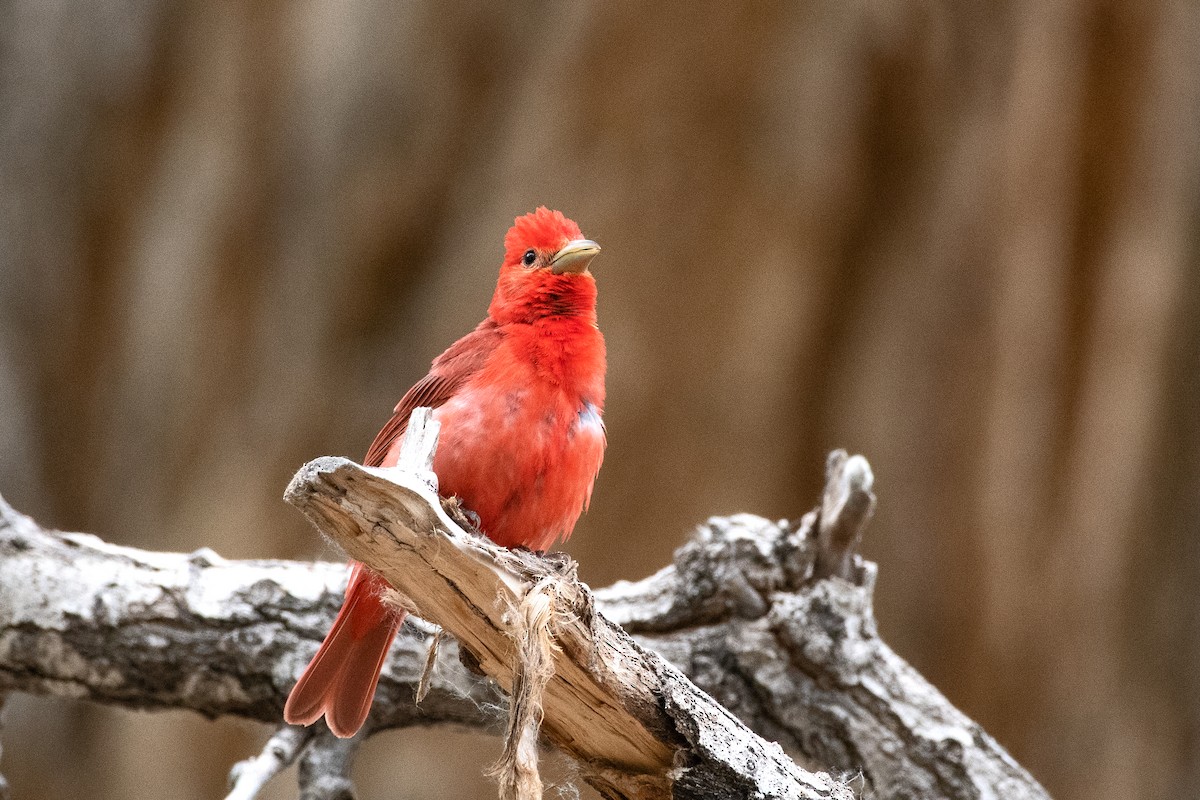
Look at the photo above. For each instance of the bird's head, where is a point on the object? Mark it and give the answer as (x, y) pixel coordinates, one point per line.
(545, 269)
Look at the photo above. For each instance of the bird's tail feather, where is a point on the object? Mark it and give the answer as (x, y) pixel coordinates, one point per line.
(340, 681)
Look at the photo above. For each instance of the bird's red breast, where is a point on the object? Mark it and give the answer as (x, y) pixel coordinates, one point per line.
(522, 440)
(520, 398)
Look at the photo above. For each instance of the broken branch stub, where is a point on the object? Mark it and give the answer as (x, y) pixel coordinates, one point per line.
(637, 726)
(847, 505)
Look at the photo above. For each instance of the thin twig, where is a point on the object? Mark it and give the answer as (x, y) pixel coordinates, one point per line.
(247, 778)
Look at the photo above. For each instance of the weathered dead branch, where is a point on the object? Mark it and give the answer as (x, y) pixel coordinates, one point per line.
(740, 612)
(635, 725)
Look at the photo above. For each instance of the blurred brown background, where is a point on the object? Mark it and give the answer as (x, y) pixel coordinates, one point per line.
(958, 237)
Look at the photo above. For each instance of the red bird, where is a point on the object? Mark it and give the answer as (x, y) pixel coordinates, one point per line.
(519, 400)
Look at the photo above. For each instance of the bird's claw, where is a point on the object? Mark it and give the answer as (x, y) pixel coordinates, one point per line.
(464, 516)
(560, 562)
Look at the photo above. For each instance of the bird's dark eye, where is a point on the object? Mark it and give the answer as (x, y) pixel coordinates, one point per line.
(529, 257)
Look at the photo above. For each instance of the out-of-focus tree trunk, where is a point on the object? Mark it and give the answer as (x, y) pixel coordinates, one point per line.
(959, 238)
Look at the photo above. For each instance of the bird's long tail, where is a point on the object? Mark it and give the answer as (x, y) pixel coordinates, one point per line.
(340, 680)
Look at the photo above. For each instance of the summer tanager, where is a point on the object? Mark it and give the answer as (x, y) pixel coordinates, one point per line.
(519, 400)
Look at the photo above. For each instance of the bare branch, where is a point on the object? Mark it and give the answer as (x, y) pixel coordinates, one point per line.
(325, 767)
(740, 611)
(626, 716)
(81, 618)
(247, 778)
(800, 661)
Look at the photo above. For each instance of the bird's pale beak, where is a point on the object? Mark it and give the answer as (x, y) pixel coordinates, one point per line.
(574, 256)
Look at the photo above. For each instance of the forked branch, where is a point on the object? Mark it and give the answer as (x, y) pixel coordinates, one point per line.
(742, 612)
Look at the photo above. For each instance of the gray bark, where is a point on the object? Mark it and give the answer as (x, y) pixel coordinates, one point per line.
(794, 657)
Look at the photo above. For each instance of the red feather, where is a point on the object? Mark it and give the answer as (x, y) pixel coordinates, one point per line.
(450, 370)
(519, 400)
